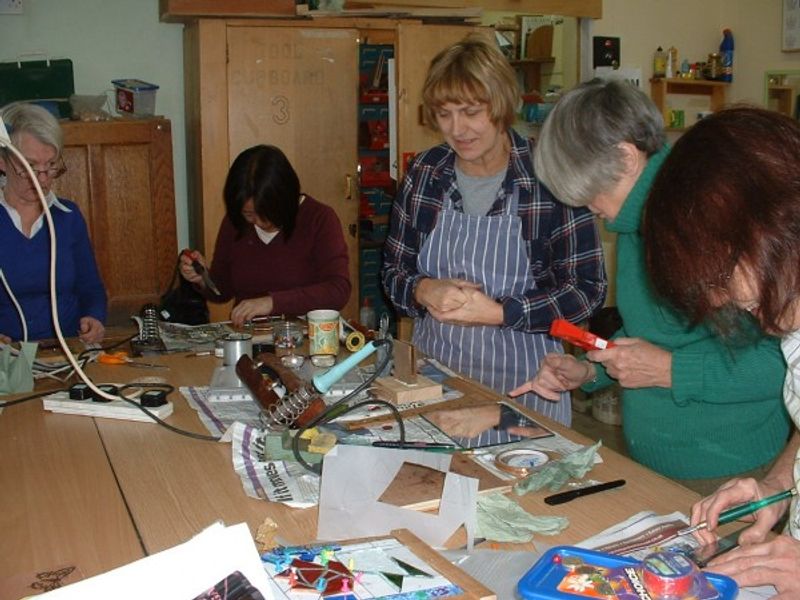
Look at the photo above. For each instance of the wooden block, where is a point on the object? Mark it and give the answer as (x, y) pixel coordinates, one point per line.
(398, 392)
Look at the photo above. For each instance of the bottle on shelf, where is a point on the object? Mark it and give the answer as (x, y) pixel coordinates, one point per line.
(672, 62)
(726, 53)
(660, 63)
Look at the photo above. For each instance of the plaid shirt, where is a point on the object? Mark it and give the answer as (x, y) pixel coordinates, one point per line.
(562, 242)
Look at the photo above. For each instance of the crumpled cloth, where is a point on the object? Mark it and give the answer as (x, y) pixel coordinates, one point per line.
(554, 474)
(502, 520)
(16, 372)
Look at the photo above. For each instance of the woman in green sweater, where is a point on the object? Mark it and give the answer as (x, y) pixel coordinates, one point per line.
(694, 407)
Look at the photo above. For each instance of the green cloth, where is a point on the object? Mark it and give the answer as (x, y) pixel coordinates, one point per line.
(16, 372)
(724, 413)
(502, 520)
(554, 474)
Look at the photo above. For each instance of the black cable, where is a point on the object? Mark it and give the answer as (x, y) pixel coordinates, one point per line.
(31, 397)
(154, 417)
(325, 415)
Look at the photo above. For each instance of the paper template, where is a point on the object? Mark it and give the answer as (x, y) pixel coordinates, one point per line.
(355, 477)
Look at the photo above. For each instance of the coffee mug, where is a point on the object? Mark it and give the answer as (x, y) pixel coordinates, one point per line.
(323, 332)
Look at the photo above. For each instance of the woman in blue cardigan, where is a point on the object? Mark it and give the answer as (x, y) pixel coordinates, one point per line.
(25, 311)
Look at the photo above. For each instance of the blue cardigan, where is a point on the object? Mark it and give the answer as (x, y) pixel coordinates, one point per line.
(26, 266)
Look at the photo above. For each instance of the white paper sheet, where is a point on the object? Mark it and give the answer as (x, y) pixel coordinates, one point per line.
(349, 505)
(184, 571)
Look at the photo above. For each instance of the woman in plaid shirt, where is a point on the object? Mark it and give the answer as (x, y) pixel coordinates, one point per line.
(479, 253)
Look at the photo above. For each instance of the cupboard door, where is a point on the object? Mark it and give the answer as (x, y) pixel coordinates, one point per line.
(120, 174)
(417, 44)
(296, 88)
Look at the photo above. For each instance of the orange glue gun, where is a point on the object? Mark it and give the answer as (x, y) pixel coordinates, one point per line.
(576, 336)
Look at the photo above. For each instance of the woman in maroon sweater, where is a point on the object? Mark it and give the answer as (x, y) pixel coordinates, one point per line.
(278, 251)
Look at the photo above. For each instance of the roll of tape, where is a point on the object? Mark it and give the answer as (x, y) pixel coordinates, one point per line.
(668, 575)
(355, 341)
(234, 346)
(520, 461)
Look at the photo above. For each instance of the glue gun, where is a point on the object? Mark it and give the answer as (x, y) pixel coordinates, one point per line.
(576, 336)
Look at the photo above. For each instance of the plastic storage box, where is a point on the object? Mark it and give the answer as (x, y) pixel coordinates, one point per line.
(135, 97)
(570, 573)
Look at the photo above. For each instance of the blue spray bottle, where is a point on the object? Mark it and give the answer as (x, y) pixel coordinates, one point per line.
(726, 54)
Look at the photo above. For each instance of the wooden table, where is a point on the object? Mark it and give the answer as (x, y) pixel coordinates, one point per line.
(61, 504)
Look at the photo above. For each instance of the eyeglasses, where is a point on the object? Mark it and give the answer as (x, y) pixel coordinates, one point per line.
(53, 171)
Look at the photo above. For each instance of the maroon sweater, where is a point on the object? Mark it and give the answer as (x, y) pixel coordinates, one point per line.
(305, 272)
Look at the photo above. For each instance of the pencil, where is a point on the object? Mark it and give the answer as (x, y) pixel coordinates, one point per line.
(726, 516)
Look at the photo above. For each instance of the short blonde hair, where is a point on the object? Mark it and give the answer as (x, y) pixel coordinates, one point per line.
(472, 70)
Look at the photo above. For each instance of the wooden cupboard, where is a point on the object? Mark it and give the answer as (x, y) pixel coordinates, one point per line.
(120, 174)
(295, 84)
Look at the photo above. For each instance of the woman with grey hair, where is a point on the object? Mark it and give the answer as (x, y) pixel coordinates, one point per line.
(25, 239)
(694, 408)
(479, 253)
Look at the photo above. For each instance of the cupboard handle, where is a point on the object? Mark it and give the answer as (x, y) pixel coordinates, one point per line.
(348, 187)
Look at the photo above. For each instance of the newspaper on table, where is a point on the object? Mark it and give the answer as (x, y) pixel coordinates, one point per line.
(178, 337)
(647, 532)
(267, 479)
(278, 480)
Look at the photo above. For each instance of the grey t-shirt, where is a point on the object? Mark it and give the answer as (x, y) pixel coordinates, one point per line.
(478, 193)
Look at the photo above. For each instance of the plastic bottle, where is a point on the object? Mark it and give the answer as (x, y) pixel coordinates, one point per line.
(726, 52)
(660, 63)
(367, 315)
(672, 62)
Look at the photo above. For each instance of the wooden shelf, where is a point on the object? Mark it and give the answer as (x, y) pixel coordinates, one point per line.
(660, 88)
(532, 70)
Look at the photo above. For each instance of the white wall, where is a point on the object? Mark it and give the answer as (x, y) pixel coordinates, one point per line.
(695, 29)
(110, 39)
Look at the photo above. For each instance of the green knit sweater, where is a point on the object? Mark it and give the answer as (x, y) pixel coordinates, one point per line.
(724, 413)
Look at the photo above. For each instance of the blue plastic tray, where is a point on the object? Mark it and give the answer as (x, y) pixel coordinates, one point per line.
(541, 582)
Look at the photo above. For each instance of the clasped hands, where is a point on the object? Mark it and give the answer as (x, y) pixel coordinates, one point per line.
(458, 302)
(633, 362)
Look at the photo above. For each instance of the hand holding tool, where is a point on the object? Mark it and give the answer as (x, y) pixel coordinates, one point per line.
(726, 516)
(202, 271)
(122, 358)
(576, 336)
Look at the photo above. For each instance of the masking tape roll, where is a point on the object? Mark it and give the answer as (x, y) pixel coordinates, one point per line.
(355, 341)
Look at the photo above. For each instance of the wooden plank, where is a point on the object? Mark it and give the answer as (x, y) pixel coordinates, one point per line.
(575, 8)
(179, 10)
(474, 590)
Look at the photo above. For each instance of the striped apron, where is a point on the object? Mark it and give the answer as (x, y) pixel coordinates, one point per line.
(489, 250)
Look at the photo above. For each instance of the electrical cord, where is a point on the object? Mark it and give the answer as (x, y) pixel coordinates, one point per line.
(333, 411)
(75, 362)
(21, 315)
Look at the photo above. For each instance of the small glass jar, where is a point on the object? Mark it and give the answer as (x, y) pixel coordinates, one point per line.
(714, 66)
(287, 335)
